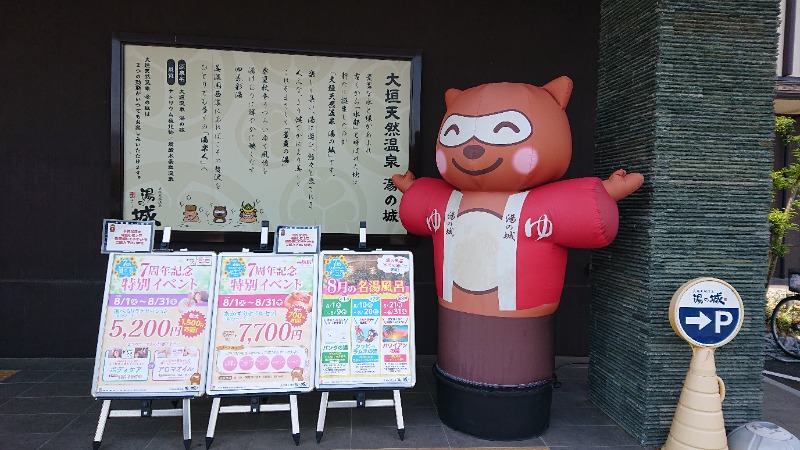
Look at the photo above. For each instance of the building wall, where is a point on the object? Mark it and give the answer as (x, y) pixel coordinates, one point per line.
(685, 92)
(55, 128)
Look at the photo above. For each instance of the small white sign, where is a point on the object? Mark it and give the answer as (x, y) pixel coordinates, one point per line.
(126, 236)
(297, 240)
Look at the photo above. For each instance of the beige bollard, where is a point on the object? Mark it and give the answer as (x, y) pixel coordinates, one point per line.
(698, 421)
(707, 313)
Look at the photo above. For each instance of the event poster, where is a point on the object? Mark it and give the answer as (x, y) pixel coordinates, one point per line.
(219, 140)
(263, 326)
(154, 325)
(366, 320)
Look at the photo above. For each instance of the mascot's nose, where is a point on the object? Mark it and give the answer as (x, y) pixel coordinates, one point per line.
(473, 151)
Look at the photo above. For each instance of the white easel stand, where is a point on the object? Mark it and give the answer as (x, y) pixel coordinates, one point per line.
(255, 406)
(361, 402)
(145, 411)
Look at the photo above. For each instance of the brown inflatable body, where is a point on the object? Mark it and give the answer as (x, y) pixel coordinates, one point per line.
(501, 224)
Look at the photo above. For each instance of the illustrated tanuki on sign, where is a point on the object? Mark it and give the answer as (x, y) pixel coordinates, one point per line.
(297, 374)
(501, 223)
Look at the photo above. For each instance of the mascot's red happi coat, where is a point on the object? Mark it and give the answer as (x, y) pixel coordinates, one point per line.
(501, 222)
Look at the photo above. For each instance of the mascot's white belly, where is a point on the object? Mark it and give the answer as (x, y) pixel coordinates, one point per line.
(476, 249)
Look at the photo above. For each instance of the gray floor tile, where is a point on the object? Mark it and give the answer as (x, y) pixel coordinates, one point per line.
(86, 425)
(173, 440)
(458, 439)
(374, 417)
(420, 417)
(234, 421)
(30, 376)
(77, 364)
(121, 425)
(65, 441)
(571, 435)
(71, 376)
(387, 437)
(127, 441)
(47, 389)
(592, 447)
(780, 407)
(199, 423)
(420, 386)
(35, 423)
(33, 363)
(333, 417)
(571, 399)
(10, 390)
(27, 441)
(416, 399)
(333, 438)
(35, 405)
(386, 417)
(225, 440)
(571, 385)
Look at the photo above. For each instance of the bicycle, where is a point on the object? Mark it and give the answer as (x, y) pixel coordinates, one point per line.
(785, 325)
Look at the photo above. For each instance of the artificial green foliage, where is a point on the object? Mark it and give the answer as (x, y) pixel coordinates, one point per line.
(786, 179)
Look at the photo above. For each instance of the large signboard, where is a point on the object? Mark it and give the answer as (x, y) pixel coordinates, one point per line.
(263, 324)
(154, 325)
(366, 320)
(216, 139)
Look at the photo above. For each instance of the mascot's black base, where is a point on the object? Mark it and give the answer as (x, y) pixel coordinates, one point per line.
(493, 412)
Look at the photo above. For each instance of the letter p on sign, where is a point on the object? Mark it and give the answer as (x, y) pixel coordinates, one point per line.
(723, 318)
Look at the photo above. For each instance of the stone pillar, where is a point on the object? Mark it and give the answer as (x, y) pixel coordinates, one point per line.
(685, 97)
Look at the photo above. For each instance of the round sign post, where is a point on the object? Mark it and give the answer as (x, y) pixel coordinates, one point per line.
(707, 313)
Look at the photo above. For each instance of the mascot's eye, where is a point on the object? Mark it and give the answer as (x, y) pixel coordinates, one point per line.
(453, 128)
(506, 124)
(457, 130)
(503, 128)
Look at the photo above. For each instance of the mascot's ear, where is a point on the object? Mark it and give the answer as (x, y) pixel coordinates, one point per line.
(450, 95)
(560, 89)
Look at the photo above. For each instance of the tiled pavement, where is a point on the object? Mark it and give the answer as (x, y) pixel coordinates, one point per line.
(47, 405)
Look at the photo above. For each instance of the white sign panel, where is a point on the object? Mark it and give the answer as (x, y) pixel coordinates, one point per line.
(366, 320)
(263, 324)
(297, 239)
(154, 325)
(127, 236)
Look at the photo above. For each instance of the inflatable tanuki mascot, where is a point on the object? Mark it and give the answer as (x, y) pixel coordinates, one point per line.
(501, 224)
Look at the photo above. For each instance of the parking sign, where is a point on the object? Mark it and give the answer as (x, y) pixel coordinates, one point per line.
(706, 312)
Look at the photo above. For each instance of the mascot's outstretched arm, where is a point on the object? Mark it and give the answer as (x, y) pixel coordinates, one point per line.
(619, 185)
(622, 184)
(403, 182)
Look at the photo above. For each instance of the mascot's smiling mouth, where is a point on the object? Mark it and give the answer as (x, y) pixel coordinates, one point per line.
(478, 172)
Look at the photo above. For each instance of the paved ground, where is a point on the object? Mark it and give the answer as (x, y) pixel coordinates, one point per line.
(782, 393)
(47, 405)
